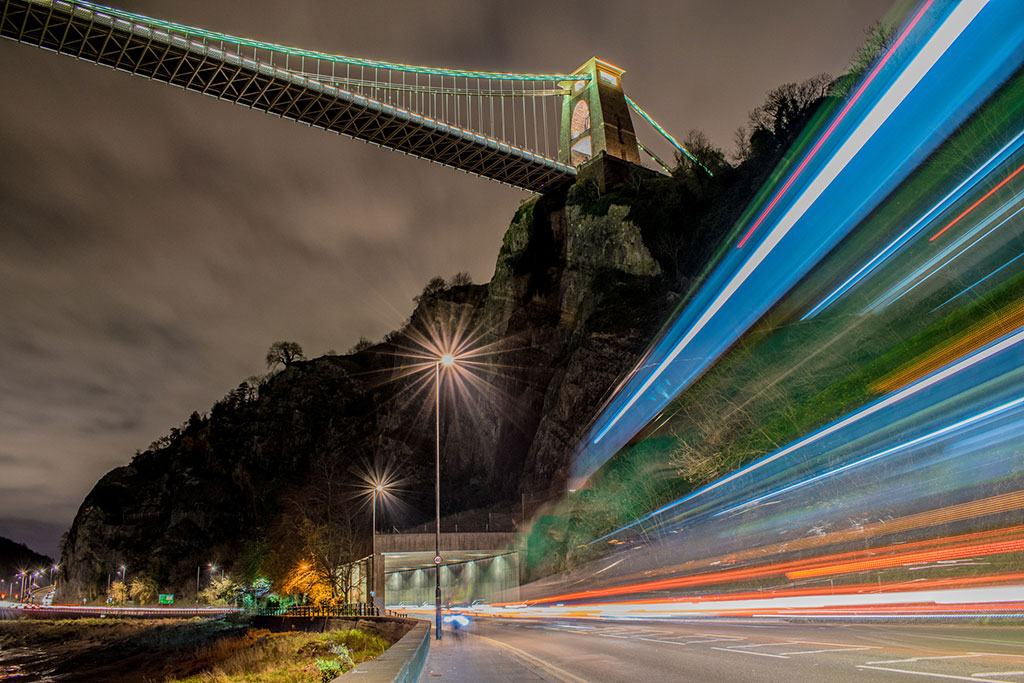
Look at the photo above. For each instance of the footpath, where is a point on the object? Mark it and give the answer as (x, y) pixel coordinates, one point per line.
(476, 659)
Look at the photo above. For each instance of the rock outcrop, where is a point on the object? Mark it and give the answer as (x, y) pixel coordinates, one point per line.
(584, 279)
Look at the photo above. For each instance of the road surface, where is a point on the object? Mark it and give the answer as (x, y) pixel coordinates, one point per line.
(714, 650)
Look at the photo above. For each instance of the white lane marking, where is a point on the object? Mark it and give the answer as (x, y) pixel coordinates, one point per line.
(769, 644)
(933, 675)
(688, 642)
(1000, 673)
(818, 642)
(1004, 643)
(759, 654)
(833, 649)
(923, 659)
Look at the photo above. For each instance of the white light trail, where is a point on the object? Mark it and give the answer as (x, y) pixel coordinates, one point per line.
(957, 21)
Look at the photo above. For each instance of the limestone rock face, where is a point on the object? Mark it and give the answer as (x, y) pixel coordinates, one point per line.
(577, 295)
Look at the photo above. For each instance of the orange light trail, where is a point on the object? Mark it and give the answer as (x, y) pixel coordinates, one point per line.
(912, 558)
(975, 204)
(823, 565)
(1006, 502)
(993, 326)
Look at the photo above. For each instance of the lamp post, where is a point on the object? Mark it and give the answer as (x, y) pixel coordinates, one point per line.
(447, 360)
(198, 568)
(378, 489)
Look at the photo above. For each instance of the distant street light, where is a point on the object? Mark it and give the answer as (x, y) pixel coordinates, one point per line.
(447, 360)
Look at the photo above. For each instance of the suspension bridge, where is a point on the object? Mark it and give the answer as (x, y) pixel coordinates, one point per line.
(530, 131)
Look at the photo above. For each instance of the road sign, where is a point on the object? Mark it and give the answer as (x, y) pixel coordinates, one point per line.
(166, 599)
(437, 559)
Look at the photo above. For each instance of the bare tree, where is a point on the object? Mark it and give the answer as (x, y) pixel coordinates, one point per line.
(787, 104)
(435, 286)
(324, 522)
(284, 353)
(360, 345)
(459, 279)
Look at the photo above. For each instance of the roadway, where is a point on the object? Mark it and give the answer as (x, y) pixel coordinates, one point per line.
(726, 651)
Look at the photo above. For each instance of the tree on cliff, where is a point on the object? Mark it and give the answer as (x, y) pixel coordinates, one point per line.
(284, 353)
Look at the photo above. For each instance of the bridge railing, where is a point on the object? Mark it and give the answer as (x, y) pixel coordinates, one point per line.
(355, 609)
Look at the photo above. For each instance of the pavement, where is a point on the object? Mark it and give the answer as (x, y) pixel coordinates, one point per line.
(459, 656)
(711, 650)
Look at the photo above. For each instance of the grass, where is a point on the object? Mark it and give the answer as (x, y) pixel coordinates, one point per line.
(192, 650)
(293, 657)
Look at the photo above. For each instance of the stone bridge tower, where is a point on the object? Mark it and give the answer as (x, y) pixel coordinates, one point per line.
(595, 116)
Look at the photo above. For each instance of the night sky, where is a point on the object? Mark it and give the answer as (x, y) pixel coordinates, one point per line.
(153, 242)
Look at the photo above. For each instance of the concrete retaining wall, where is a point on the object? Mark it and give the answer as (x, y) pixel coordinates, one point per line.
(401, 663)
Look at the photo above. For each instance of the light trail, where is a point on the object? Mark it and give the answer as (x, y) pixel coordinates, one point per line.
(916, 388)
(979, 550)
(933, 599)
(917, 226)
(835, 123)
(951, 248)
(993, 326)
(972, 510)
(761, 285)
(896, 556)
(962, 292)
(914, 72)
(980, 417)
(973, 206)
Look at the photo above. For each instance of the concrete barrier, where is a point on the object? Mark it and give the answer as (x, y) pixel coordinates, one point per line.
(400, 663)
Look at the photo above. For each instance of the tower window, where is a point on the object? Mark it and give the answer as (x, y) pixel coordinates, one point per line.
(607, 77)
(580, 119)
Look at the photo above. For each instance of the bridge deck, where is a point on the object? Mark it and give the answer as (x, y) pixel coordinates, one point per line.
(133, 47)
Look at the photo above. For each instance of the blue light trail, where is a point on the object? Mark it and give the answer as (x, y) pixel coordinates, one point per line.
(950, 66)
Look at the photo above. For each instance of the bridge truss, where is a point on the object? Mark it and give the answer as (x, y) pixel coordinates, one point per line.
(500, 126)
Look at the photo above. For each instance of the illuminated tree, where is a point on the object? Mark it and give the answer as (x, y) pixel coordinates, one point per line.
(142, 590)
(118, 592)
(284, 353)
(220, 591)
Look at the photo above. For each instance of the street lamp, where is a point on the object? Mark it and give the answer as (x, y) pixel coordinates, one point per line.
(377, 490)
(447, 360)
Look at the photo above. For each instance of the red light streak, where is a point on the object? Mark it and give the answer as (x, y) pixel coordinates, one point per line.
(975, 204)
(859, 559)
(912, 558)
(831, 128)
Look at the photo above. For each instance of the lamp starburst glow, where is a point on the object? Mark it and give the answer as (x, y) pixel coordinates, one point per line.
(447, 360)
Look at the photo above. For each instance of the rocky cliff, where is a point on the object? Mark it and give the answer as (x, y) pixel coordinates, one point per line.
(584, 278)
